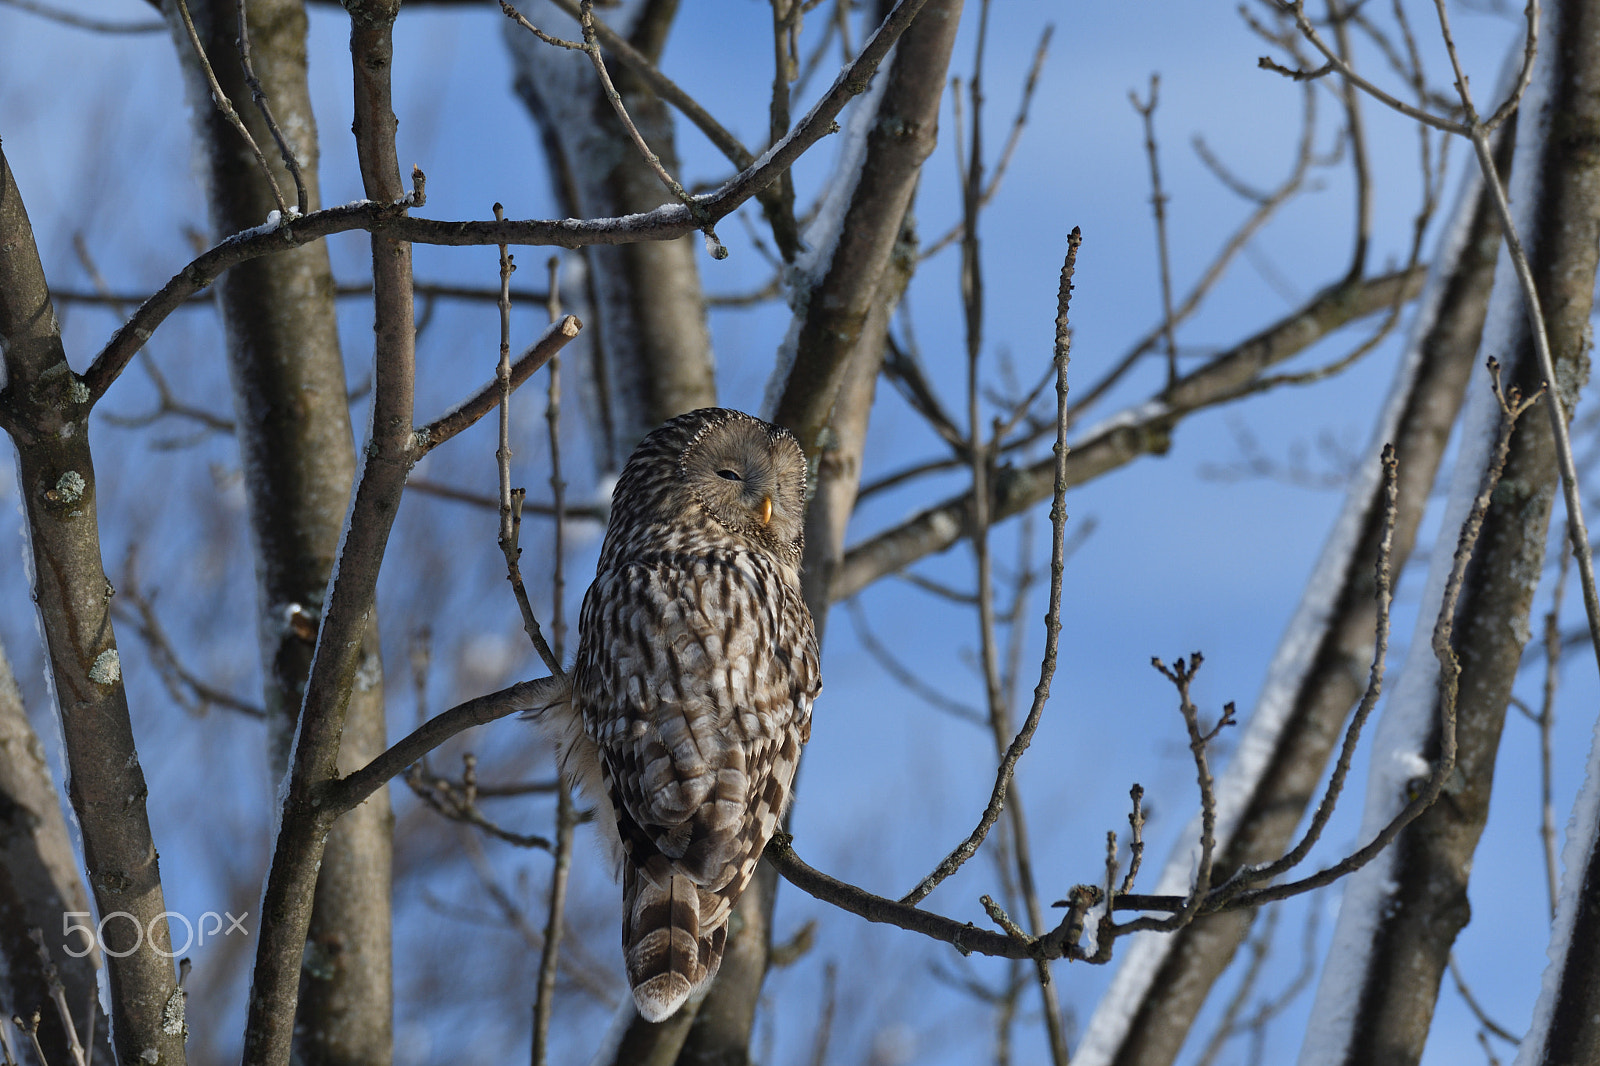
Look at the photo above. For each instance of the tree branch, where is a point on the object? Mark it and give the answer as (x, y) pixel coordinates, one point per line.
(1142, 430)
(466, 413)
(344, 794)
(388, 217)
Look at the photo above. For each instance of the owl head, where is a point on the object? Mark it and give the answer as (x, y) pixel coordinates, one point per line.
(746, 476)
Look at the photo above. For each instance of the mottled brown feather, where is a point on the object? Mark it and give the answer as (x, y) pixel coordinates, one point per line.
(691, 693)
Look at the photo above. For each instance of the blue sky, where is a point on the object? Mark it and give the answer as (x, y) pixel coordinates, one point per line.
(1178, 562)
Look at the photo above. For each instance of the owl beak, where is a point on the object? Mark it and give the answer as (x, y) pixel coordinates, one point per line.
(766, 510)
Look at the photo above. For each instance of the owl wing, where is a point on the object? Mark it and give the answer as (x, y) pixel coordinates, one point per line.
(696, 679)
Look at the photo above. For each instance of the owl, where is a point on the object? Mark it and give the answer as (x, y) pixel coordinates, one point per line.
(684, 713)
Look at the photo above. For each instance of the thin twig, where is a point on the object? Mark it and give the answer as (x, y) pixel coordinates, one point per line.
(1478, 132)
(824, 1029)
(458, 801)
(1181, 674)
(641, 67)
(1259, 947)
(1139, 430)
(390, 218)
(502, 379)
(363, 290)
(566, 814)
(1296, 9)
(1476, 1008)
(1384, 581)
(1135, 839)
(904, 370)
(166, 402)
(580, 513)
(558, 485)
(511, 499)
(225, 107)
(786, 15)
(591, 47)
(30, 1026)
(1158, 205)
(1238, 241)
(346, 793)
(900, 477)
(1357, 137)
(68, 18)
(1058, 521)
(1041, 50)
(981, 457)
(1546, 723)
(186, 689)
(1512, 407)
(467, 413)
(904, 676)
(6, 1049)
(58, 996)
(259, 95)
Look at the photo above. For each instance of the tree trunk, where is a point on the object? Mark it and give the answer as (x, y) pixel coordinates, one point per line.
(1422, 905)
(296, 450)
(44, 406)
(39, 886)
(1332, 675)
(826, 400)
(650, 353)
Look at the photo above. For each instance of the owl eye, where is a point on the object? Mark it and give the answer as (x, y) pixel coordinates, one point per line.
(731, 475)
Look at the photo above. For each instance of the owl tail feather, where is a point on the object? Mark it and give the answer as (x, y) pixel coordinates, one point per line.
(669, 955)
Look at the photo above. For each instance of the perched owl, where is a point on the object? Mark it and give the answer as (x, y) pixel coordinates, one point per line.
(691, 693)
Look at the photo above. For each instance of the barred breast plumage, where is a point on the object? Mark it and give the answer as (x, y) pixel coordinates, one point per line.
(691, 694)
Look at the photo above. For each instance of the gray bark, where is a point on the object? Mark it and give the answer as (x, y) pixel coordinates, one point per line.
(1567, 1028)
(39, 886)
(841, 336)
(392, 447)
(650, 352)
(1196, 956)
(1427, 902)
(1119, 441)
(295, 447)
(44, 406)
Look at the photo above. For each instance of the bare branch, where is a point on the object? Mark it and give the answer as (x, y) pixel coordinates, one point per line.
(1181, 675)
(1041, 50)
(1143, 430)
(905, 677)
(259, 95)
(566, 814)
(69, 18)
(1296, 8)
(1158, 206)
(225, 106)
(574, 512)
(1058, 520)
(187, 690)
(432, 290)
(1369, 698)
(1546, 724)
(485, 400)
(458, 801)
(346, 793)
(1476, 1008)
(389, 217)
(1512, 407)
